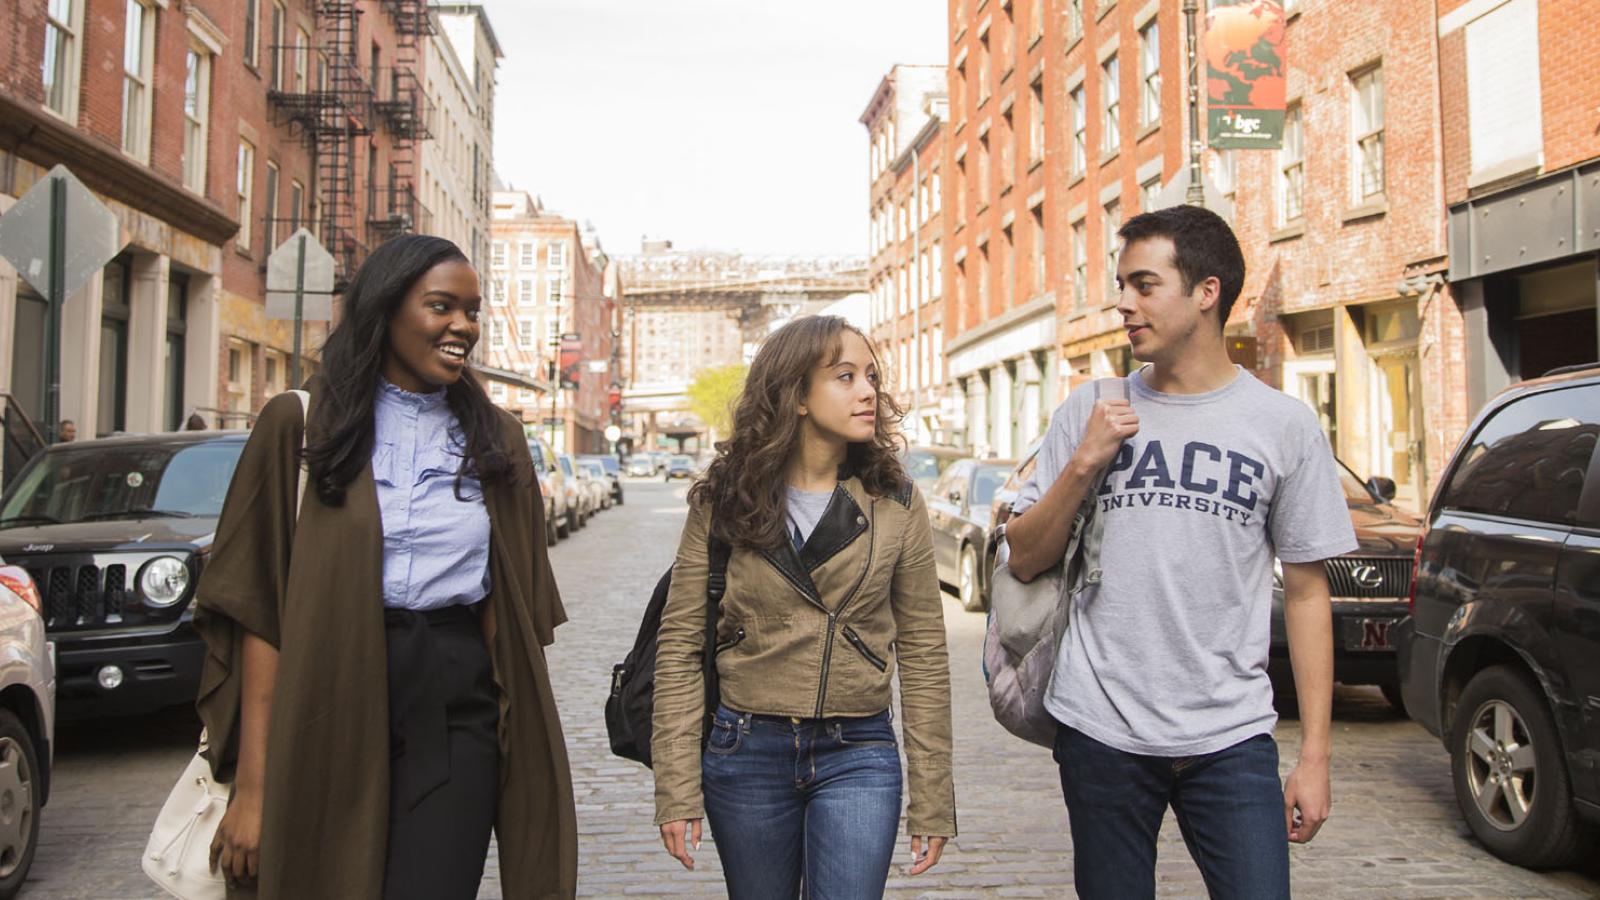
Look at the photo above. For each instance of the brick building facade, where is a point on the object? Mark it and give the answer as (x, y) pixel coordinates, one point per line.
(552, 297)
(213, 130)
(905, 137)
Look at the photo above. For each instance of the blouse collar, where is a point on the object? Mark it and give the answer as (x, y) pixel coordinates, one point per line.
(419, 402)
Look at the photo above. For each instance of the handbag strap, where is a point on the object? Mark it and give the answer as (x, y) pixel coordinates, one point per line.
(302, 473)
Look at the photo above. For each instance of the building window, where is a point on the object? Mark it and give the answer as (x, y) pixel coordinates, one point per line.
(527, 293)
(527, 254)
(196, 111)
(497, 392)
(1080, 132)
(936, 266)
(525, 334)
(497, 334)
(1111, 101)
(297, 200)
(1036, 111)
(137, 44)
(60, 65)
(934, 198)
(1038, 250)
(1074, 13)
(1148, 194)
(1366, 125)
(983, 68)
(1291, 167)
(269, 208)
(983, 170)
(501, 292)
(555, 286)
(1111, 220)
(497, 253)
(275, 49)
(1150, 73)
(252, 24)
(1080, 262)
(302, 61)
(961, 191)
(246, 177)
(558, 255)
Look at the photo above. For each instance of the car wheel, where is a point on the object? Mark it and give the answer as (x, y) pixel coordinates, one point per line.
(564, 525)
(967, 585)
(574, 520)
(550, 535)
(19, 803)
(1510, 778)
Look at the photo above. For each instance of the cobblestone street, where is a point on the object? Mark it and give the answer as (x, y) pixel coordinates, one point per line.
(1395, 830)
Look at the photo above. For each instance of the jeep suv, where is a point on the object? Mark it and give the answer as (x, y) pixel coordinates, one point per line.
(1501, 654)
(115, 533)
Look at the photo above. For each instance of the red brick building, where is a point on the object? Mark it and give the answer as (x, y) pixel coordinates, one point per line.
(905, 123)
(552, 301)
(212, 129)
(1521, 175)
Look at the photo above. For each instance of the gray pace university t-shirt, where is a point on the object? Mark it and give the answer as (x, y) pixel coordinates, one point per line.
(1168, 655)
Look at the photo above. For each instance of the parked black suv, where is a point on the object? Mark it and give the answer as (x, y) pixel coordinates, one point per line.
(1501, 654)
(115, 533)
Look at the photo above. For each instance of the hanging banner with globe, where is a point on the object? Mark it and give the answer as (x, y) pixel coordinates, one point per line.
(1245, 88)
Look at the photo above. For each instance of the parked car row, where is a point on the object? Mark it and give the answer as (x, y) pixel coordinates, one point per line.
(574, 488)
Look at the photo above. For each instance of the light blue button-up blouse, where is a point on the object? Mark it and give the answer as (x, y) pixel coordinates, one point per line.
(435, 547)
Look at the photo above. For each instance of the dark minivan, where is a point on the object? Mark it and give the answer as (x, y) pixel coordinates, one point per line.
(1501, 655)
(115, 533)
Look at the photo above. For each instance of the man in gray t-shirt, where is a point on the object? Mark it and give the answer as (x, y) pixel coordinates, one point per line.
(1201, 476)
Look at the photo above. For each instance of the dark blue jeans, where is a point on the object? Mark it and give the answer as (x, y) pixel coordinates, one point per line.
(817, 799)
(1229, 806)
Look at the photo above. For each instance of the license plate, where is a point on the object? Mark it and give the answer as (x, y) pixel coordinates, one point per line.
(1368, 634)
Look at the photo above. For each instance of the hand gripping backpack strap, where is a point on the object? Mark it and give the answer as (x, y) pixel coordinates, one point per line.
(178, 854)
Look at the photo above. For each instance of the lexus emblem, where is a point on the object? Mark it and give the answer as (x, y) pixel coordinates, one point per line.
(1367, 576)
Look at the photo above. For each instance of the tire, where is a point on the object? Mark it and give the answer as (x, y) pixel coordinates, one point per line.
(1502, 737)
(564, 525)
(968, 587)
(19, 803)
(550, 535)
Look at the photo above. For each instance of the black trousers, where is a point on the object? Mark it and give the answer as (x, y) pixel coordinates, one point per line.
(444, 754)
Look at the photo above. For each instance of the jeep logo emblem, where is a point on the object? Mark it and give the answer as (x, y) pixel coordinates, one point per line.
(1367, 576)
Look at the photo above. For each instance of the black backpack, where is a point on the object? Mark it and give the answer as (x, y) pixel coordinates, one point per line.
(633, 681)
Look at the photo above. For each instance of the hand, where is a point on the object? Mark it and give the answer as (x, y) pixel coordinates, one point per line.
(678, 836)
(1306, 800)
(236, 848)
(1110, 423)
(920, 861)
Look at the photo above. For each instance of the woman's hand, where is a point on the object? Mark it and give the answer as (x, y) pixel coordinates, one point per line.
(236, 848)
(920, 861)
(678, 837)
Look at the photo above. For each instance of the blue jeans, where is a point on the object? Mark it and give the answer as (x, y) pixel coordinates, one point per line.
(1229, 806)
(818, 798)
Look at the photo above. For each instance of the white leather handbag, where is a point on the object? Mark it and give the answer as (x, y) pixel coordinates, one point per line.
(178, 855)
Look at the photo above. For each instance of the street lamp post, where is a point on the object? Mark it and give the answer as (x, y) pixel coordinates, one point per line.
(1196, 194)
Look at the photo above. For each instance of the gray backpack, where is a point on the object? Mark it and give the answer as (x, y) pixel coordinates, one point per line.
(1028, 620)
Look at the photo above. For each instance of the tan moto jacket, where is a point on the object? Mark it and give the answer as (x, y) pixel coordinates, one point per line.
(811, 634)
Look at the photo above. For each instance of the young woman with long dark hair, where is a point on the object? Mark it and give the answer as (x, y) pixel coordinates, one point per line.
(375, 685)
(830, 588)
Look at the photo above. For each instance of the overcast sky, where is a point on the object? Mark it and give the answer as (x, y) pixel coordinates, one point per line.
(727, 124)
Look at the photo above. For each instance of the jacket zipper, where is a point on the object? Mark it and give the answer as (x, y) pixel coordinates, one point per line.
(833, 620)
(860, 645)
(731, 642)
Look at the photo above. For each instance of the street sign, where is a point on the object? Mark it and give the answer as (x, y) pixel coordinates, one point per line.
(613, 433)
(1176, 191)
(299, 287)
(283, 265)
(59, 236)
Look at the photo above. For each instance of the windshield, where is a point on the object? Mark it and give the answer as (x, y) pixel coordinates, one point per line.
(923, 467)
(986, 482)
(608, 463)
(682, 461)
(566, 465)
(123, 482)
(538, 457)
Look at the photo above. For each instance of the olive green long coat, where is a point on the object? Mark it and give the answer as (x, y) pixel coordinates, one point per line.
(314, 591)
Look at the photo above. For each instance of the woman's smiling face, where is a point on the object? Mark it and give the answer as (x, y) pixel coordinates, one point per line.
(434, 329)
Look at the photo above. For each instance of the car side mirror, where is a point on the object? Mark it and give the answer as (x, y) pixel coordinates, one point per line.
(954, 496)
(1383, 487)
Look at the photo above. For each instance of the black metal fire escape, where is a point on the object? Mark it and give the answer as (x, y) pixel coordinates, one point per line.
(402, 106)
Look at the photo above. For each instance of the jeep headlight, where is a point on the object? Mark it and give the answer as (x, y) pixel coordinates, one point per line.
(163, 581)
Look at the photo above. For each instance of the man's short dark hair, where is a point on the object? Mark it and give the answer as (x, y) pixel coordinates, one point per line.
(1203, 246)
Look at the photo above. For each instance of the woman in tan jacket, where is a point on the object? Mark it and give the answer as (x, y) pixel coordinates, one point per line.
(830, 588)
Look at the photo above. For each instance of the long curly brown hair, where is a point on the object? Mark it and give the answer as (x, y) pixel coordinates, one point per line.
(745, 485)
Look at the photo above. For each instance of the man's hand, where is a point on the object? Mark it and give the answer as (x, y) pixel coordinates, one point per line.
(1111, 422)
(678, 837)
(920, 861)
(1307, 797)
